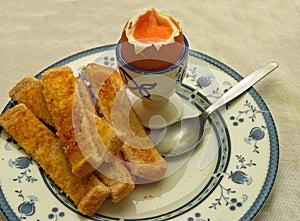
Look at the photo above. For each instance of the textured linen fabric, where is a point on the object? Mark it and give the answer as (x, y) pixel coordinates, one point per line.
(242, 34)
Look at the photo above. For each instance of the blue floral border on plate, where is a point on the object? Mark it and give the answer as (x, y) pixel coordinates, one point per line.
(273, 137)
(274, 143)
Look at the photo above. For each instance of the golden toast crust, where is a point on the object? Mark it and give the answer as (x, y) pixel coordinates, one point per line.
(40, 143)
(117, 178)
(29, 92)
(59, 88)
(117, 144)
(142, 155)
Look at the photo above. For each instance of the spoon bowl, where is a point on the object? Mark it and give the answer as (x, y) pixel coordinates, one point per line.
(184, 135)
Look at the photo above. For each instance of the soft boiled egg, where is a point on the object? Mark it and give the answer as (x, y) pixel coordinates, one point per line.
(152, 41)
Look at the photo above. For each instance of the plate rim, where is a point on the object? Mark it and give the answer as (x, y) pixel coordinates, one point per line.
(268, 184)
(273, 138)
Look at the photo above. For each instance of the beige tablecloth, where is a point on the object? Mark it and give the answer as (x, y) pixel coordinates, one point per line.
(241, 34)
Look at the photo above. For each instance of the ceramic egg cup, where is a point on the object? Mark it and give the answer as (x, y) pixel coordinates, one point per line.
(157, 105)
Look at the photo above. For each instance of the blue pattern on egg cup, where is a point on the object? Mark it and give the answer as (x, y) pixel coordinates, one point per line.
(157, 105)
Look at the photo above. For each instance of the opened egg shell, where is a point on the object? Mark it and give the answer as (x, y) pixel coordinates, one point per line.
(144, 46)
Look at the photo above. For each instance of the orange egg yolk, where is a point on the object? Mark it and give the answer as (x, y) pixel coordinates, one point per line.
(152, 28)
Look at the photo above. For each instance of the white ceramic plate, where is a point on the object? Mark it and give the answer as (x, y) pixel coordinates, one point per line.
(228, 177)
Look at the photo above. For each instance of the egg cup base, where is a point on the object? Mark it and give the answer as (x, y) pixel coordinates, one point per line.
(158, 114)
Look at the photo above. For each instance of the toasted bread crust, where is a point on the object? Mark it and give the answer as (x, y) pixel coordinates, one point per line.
(115, 106)
(117, 178)
(86, 126)
(87, 193)
(22, 84)
(97, 75)
(59, 88)
(29, 92)
(113, 174)
(117, 143)
(108, 136)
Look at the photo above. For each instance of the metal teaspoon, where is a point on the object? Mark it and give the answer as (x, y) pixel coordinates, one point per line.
(184, 135)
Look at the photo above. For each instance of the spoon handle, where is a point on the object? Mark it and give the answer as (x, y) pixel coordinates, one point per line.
(242, 86)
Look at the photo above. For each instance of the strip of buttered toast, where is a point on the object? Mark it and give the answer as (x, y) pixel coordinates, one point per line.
(143, 157)
(116, 177)
(29, 92)
(113, 174)
(65, 106)
(100, 131)
(40, 143)
(94, 131)
(85, 124)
